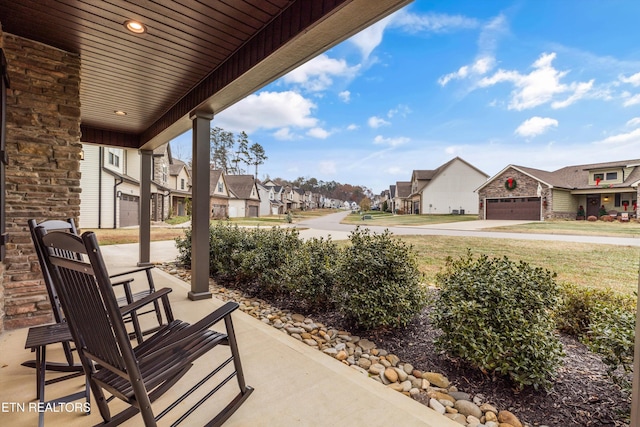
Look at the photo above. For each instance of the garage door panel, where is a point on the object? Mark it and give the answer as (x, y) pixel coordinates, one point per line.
(129, 207)
(522, 208)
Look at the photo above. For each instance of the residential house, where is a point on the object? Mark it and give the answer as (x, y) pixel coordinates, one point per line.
(245, 198)
(160, 190)
(219, 195)
(273, 202)
(392, 198)
(402, 200)
(180, 184)
(518, 192)
(449, 188)
(110, 182)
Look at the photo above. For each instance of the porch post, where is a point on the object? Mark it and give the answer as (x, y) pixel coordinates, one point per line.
(145, 207)
(201, 122)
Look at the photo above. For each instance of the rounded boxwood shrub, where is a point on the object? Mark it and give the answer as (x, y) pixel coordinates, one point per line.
(496, 314)
(263, 255)
(378, 281)
(611, 334)
(579, 306)
(310, 272)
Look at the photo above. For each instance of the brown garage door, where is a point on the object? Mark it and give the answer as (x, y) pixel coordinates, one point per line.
(253, 211)
(523, 208)
(129, 210)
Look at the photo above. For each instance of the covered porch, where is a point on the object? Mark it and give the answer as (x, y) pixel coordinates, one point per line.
(294, 384)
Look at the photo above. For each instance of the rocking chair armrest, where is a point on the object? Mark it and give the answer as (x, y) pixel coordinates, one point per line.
(135, 270)
(159, 294)
(185, 334)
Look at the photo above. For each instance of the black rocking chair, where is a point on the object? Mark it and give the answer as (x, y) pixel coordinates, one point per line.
(137, 376)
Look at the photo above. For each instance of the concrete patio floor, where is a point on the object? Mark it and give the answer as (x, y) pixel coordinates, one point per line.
(294, 384)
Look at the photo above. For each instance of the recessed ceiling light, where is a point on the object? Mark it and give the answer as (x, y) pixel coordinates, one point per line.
(135, 26)
(120, 113)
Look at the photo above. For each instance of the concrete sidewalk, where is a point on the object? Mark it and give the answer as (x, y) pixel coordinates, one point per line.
(295, 385)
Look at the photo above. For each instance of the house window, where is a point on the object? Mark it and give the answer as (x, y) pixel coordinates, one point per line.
(220, 187)
(164, 172)
(617, 201)
(612, 176)
(598, 176)
(182, 183)
(114, 159)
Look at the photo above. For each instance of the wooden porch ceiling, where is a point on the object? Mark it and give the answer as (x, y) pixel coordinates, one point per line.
(203, 55)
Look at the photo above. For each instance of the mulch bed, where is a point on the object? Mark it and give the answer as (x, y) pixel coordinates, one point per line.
(582, 395)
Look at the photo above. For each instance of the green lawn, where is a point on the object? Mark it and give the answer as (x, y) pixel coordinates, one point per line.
(389, 220)
(596, 266)
(596, 228)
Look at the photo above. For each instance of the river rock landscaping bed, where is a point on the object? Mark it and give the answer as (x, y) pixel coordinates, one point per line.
(406, 361)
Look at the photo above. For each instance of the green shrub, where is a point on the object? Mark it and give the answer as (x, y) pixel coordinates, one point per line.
(310, 272)
(378, 281)
(611, 334)
(263, 254)
(496, 314)
(183, 244)
(579, 304)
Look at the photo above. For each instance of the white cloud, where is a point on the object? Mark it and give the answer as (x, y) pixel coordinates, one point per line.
(632, 137)
(536, 126)
(345, 96)
(485, 59)
(284, 134)
(431, 22)
(580, 90)
(401, 110)
(633, 79)
(268, 110)
(376, 122)
(634, 122)
(539, 86)
(353, 126)
(368, 39)
(317, 74)
(318, 133)
(392, 142)
(631, 100)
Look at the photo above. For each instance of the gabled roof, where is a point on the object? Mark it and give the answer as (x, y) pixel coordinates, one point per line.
(403, 188)
(241, 185)
(576, 177)
(429, 175)
(214, 177)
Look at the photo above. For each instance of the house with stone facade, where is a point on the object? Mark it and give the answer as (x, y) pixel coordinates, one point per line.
(519, 192)
(450, 188)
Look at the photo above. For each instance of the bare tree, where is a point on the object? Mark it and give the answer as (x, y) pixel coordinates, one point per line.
(257, 156)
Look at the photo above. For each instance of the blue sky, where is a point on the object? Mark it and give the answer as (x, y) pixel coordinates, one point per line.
(537, 83)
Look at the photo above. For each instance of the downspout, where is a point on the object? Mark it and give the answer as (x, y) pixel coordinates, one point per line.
(100, 165)
(115, 200)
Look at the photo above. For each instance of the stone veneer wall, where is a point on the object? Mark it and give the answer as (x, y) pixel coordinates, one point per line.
(43, 175)
(526, 187)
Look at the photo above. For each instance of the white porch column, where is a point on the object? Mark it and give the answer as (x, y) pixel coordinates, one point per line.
(145, 207)
(200, 206)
